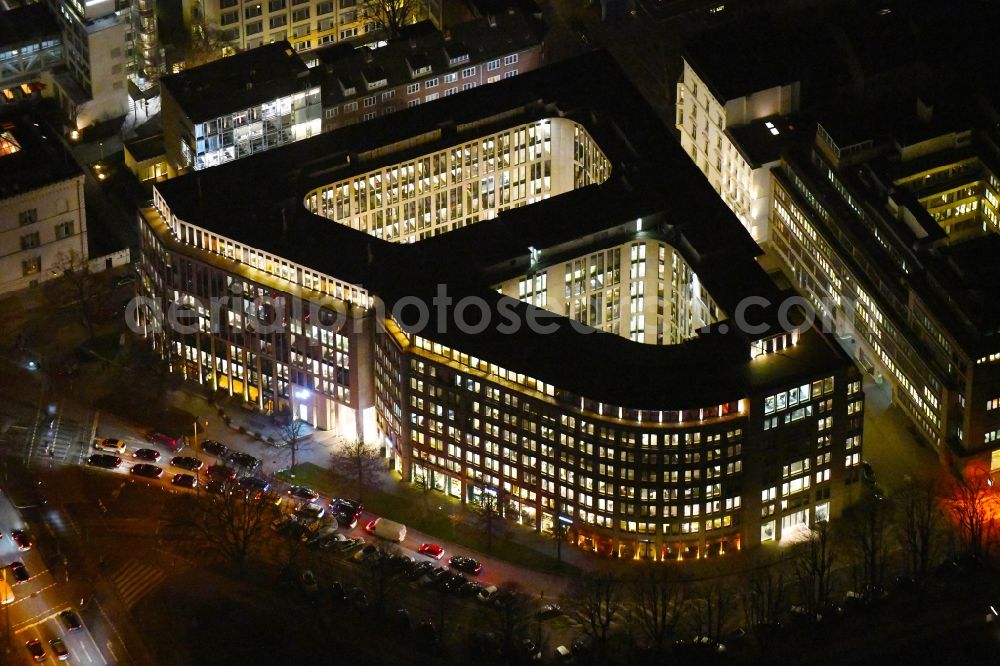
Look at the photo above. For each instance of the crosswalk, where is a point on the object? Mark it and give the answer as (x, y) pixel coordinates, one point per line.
(134, 580)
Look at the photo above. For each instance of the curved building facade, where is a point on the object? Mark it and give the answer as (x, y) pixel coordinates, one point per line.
(524, 293)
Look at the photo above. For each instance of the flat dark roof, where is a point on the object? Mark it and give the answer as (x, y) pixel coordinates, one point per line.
(39, 160)
(651, 178)
(26, 24)
(146, 148)
(238, 81)
(481, 40)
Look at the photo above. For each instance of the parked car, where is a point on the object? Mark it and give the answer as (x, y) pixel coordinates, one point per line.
(187, 462)
(244, 461)
(338, 593)
(351, 544)
(19, 571)
(308, 582)
(470, 589)
(184, 481)
(431, 550)
(303, 494)
(22, 539)
(112, 445)
(253, 484)
(488, 594)
(217, 487)
(151, 455)
(146, 470)
(217, 449)
(310, 511)
(420, 570)
(70, 621)
(173, 441)
(387, 529)
(104, 461)
(530, 650)
(549, 610)
(220, 473)
(563, 654)
(466, 564)
(347, 511)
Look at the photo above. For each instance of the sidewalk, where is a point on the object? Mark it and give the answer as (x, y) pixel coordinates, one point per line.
(254, 433)
(318, 452)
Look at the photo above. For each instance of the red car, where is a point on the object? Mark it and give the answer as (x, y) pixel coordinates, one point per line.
(431, 550)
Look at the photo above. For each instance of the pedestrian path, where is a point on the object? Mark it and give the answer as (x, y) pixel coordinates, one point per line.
(134, 580)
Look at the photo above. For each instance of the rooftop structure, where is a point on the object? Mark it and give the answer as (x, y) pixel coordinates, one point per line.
(237, 106)
(424, 64)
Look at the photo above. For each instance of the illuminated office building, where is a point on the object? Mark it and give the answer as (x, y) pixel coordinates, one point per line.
(585, 356)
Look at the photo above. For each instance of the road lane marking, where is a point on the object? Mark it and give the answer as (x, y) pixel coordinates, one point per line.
(33, 594)
(49, 613)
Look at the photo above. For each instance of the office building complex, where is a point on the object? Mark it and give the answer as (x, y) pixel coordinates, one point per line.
(43, 222)
(238, 106)
(881, 195)
(424, 64)
(525, 290)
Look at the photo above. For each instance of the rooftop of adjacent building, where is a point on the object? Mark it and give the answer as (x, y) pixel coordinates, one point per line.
(31, 156)
(760, 142)
(238, 81)
(842, 48)
(26, 24)
(423, 46)
(651, 178)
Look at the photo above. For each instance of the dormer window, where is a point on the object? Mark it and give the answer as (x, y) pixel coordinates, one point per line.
(374, 77)
(457, 53)
(419, 65)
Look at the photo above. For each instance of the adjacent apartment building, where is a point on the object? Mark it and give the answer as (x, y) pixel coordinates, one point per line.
(497, 289)
(305, 24)
(43, 221)
(881, 196)
(238, 106)
(424, 64)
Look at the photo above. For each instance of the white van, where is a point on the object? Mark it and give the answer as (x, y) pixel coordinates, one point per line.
(387, 529)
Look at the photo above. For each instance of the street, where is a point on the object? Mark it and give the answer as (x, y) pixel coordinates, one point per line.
(34, 613)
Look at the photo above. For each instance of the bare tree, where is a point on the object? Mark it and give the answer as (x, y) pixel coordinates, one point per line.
(294, 437)
(230, 523)
(593, 603)
(973, 502)
(919, 525)
(391, 15)
(206, 44)
(867, 540)
(359, 461)
(380, 570)
(423, 485)
(658, 603)
(814, 557)
(512, 614)
(763, 598)
(81, 284)
(713, 608)
(488, 518)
